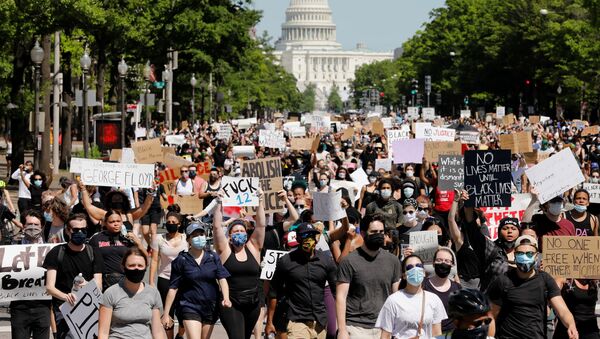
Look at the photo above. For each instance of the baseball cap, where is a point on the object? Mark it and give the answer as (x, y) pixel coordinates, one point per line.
(291, 239)
(509, 221)
(306, 228)
(193, 227)
(526, 240)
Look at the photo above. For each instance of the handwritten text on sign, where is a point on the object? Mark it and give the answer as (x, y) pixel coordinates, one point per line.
(594, 190)
(424, 244)
(82, 317)
(555, 175)
(488, 178)
(271, 180)
(239, 191)
(117, 175)
(270, 263)
(451, 172)
(572, 257)
(21, 272)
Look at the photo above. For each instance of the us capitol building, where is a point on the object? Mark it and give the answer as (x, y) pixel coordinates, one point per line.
(308, 49)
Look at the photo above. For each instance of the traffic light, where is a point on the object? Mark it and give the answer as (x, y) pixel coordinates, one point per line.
(428, 84)
(527, 82)
(438, 98)
(414, 86)
(466, 100)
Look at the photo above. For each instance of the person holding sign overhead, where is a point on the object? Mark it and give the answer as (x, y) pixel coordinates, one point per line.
(240, 255)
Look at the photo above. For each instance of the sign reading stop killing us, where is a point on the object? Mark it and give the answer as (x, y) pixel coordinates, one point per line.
(488, 178)
(113, 174)
(240, 191)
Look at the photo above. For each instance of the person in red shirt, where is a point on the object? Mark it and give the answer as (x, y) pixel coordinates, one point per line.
(552, 222)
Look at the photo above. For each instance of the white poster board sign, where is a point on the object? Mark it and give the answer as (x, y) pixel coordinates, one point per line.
(297, 132)
(465, 113)
(243, 151)
(424, 244)
(269, 263)
(385, 164)
(555, 175)
(114, 174)
(78, 163)
(431, 133)
(428, 113)
(352, 188)
(397, 134)
(240, 191)
(176, 139)
(271, 139)
(140, 132)
(594, 190)
(500, 111)
(327, 206)
(82, 317)
(387, 122)
(224, 132)
(412, 113)
(360, 177)
(127, 156)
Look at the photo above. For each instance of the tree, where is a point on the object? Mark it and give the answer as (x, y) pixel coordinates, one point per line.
(308, 100)
(334, 101)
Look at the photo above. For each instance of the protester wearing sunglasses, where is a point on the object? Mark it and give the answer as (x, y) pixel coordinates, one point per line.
(411, 312)
(184, 185)
(520, 297)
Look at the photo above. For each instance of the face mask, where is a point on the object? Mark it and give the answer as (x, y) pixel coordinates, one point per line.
(349, 154)
(480, 332)
(32, 234)
(375, 241)
(186, 175)
(415, 276)
(507, 245)
(308, 244)
(555, 208)
(409, 218)
(172, 228)
(580, 208)
(192, 174)
(38, 183)
(442, 270)
(524, 263)
(408, 192)
(386, 194)
(595, 180)
(199, 242)
(135, 276)
(239, 239)
(369, 171)
(323, 183)
(342, 175)
(422, 214)
(48, 216)
(372, 180)
(410, 174)
(28, 170)
(78, 238)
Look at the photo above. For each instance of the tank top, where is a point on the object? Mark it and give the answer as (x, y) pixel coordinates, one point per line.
(185, 187)
(168, 253)
(582, 304)
(209, 199)
(244, 279)
(582, 228)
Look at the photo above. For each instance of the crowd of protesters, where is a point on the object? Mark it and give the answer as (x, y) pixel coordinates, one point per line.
(356, 277)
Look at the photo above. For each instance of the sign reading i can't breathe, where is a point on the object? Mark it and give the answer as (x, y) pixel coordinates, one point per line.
(240, 191)
(488, 178)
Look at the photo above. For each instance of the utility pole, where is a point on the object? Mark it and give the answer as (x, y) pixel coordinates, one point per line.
(56, 103)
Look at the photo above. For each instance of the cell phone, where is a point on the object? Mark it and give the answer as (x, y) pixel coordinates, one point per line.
(123, 230)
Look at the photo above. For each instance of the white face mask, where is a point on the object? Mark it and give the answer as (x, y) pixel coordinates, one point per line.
(369, 171)
(372, 180)
(342, 175)
(386, 194)
(422, 214)
(409, 218)
(555, 208)
(410, 173)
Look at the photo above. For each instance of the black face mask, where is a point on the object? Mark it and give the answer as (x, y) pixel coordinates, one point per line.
(375, 241)
(442, 270)
(480, 332)
(135, 276)
(172, 228)
(506, 245)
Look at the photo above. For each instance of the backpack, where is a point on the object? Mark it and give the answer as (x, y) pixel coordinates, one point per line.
(61, 253)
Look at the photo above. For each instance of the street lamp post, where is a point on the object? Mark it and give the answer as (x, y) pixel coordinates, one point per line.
(37, 56)
(147, 71)
(85, 62)
(122, 68)
(193, 82)
(166, 77)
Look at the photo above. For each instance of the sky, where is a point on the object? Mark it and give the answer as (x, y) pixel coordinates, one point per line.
(382, 25)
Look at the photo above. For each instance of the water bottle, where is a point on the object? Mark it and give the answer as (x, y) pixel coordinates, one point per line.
(77, 283)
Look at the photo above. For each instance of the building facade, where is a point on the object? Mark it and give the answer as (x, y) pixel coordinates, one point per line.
(308, 49)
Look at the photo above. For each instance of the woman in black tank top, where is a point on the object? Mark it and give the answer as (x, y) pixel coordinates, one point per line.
(240, 255)
(585, 223)
(580, 297)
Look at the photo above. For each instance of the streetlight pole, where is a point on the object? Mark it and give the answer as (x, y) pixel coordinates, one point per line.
(122, 68)
(85, 63)
(147, 71)
(210, 95)
(193, 82)
(166, 77)
(37, 56)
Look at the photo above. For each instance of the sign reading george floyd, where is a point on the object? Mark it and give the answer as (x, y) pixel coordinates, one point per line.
(113, 174)
(572, 257)
(239, 191)
(271, 180)
(488, 178)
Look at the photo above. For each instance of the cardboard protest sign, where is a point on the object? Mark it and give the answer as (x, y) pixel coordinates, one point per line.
(555, 175)
(424, 244)
(465, 113)
(304, 144)
(167, 176)
(175, 139)
(508, 119)
(203, 169)
(520, 142)
(488, 178)
(78, 163)
(592, 130)
(594, 190)
(348, 134)
(271, 139)
(174, 162)
(517, 208)
(23, 277)
(360, 177)
(82, 317)
(572, 257)
(147, 151)
(168, 150)
(397, 134)
(114, 174)
(244, 152)
(534, 119)
(271, 180)
(269, 263)
(535, 157)
(240, 191)
(430, 133)
(327, 206)
(468, 137)
(385, 164)
(428, 113)
(115, 155)
(433, 149)
(189, 204)
(451, 172)
(377, 127)
(408, 151)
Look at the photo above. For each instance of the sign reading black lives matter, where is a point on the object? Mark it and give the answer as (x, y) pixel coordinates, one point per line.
(488, 178)
(451, 171)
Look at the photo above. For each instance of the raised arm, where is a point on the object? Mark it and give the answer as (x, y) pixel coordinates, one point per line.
(455, 234)
(221, 244)
(138, 213)
(257, 238)
(93, 211)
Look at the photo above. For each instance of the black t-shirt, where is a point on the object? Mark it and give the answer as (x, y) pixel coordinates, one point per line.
(112, 248)
(523, 304)
(447, 324)
(36, 196)
(467, 260)
(72, 264)
(155, 206)
(6, 214)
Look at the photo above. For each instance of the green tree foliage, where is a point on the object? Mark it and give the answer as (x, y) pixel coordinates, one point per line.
(308, 98)
(334, 100)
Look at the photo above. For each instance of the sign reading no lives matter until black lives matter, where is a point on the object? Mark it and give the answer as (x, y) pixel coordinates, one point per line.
(488, 178)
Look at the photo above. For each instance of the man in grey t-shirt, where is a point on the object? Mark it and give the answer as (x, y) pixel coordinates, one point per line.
(366, 277)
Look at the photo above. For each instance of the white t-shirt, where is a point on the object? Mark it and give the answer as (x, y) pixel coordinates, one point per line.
(401, 313)
(184, 187)
(23, 190)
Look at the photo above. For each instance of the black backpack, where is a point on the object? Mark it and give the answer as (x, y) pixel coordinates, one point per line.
(61, 252)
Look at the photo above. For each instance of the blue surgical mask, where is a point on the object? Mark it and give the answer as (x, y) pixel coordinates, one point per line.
(524, 263)
(48, 216)
(199, 242)
(408, 192)
(38, 183)
(580, 208)
(415, 276)
(386, 194)
(239, 239)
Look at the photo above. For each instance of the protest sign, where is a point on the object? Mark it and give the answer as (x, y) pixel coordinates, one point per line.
(465, 113)
(397, 134)
(140, 132)
(203, 169)
(23, 277)
(224, 132)
(433, 149)
(517, 208)
(127, 156)
(114, 174)
(592, 130)
(555, 175)
(424, 244)
(78, 163)
(269, 263)
(387, 122)
(82, 317)
(360, 177)
(189, 204)
(431, 133)
(536, 156)
(508, 119)
(167, 176)
(534, 119)
(288, 182)
(451, 172)
(239, 191)
(412, 113)
(115, 155)
(350, 186)
(488, 178)
(408, 151)
(291, 125)
(176, 139)
(244, 151)
(594, 190)
(468, 137)
(327, 206)
(271, 180)
(428, 113)
(384, 164)
(572, 257)
(244, 123)
(500, 111)
(169, 150)
(348, 134)
(271, 139)
(147, 151)
(520, 142)
(303, 144)
(174, 162)
(377, 127)
(297, 132)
